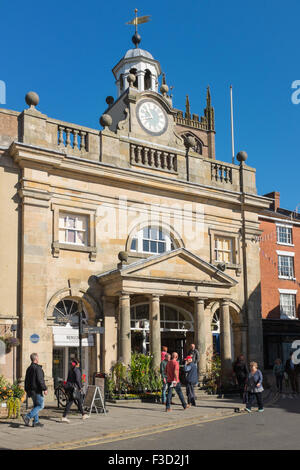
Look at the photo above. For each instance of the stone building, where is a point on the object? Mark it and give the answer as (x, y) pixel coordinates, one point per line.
(139, 220)
(280, 286)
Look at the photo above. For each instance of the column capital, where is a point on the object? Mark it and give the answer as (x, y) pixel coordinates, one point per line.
(224, 302)
(155, 296)
(124, 295)
(200, 299)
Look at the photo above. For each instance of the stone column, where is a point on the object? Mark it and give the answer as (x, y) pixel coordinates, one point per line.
(125, 333)
(155, 341)
(226, 359)
(244, 341)
(200, 336)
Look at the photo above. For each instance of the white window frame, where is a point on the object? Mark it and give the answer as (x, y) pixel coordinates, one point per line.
(139, 237)
(66, 216)
(217, 250)
(289, 305)
(288, 227)
(290, 256)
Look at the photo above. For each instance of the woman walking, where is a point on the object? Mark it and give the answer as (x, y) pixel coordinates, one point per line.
(278, 371)
(73, 389)
(254, 387)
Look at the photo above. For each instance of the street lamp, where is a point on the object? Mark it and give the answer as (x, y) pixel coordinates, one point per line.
(80, 310)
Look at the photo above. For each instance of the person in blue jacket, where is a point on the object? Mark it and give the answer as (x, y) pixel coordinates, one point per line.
(191, 377)
(254, 387)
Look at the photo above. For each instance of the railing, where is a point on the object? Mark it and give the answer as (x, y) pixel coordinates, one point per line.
(153, 158)
(221, 173)
(72, 138)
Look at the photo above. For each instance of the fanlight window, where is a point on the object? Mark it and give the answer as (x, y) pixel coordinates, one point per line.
(171, 319)
(215, 324)
(66, 311)
(151, 240)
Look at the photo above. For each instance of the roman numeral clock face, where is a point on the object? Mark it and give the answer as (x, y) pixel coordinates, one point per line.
(152, 118)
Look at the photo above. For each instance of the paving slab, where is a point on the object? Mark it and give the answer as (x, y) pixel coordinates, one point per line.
(122, 417)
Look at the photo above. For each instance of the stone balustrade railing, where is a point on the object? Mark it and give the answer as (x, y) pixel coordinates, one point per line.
(221, 173)
(153, 158)
(72, 138)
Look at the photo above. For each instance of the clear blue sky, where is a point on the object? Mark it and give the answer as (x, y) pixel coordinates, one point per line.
(65, 50)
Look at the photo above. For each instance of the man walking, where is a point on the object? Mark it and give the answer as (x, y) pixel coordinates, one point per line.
(172, 372)
(194, 353)
(291, 370)
(191, 378)
(163, 366)
(35, 387)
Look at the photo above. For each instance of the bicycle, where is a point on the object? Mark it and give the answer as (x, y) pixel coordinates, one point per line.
(61, 395)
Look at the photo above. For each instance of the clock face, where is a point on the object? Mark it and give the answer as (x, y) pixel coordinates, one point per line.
(152, 117)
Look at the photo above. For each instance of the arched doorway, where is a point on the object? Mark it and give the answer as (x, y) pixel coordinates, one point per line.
(176, 326)
(66, 338)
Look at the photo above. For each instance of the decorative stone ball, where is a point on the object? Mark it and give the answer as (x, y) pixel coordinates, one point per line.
(131, 78)
(164, 89)
(136, 39)
(242, 156)
(32, 98)
(123, 256)
(189, 142)
(105, 120)
(109, 100)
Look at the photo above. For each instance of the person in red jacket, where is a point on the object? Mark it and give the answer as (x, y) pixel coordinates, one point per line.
(172, 373)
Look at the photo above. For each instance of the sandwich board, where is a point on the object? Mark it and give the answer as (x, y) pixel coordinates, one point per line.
(93, 400)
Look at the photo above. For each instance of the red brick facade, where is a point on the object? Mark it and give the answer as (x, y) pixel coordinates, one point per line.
(270, 282)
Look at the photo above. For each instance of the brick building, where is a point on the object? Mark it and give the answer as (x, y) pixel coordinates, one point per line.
(280, 279)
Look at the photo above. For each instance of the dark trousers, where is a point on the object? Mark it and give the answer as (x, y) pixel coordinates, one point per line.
(71, 400)
(179, 393)
(241, 382)
(279, 379)
(190, 393)
(293, 380)
(251, 398)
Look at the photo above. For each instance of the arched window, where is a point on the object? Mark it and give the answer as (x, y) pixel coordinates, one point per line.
(121, 82)
(152, 240)
(198, 147)
(66, 311)
(134, 72)
(147, 80)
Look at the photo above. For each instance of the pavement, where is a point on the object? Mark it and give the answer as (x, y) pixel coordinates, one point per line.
(124, 420)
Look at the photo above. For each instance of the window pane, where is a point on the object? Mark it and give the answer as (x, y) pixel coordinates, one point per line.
(62, 236)
(153, 247)
(71, 222)
(133, 244)
(80, 238)
(145, 245)
(71, 236)
(161, 247)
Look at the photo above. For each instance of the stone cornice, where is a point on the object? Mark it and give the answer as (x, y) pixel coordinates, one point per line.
(29, 155)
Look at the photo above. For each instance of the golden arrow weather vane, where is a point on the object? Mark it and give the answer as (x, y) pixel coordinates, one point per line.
(136, 39)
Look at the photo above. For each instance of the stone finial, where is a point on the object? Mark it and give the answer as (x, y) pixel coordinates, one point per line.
(131, 79)
(109, 100)
(164, 87)
(123, 256)
(242, 156)
(105, 120)
(32, 99)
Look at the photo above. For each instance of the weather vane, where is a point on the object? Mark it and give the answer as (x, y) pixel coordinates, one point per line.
(136, 38)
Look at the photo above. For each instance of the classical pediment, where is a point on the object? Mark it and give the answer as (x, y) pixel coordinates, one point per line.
(178, 265)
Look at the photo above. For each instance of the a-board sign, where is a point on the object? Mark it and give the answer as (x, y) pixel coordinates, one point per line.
(94, 400)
